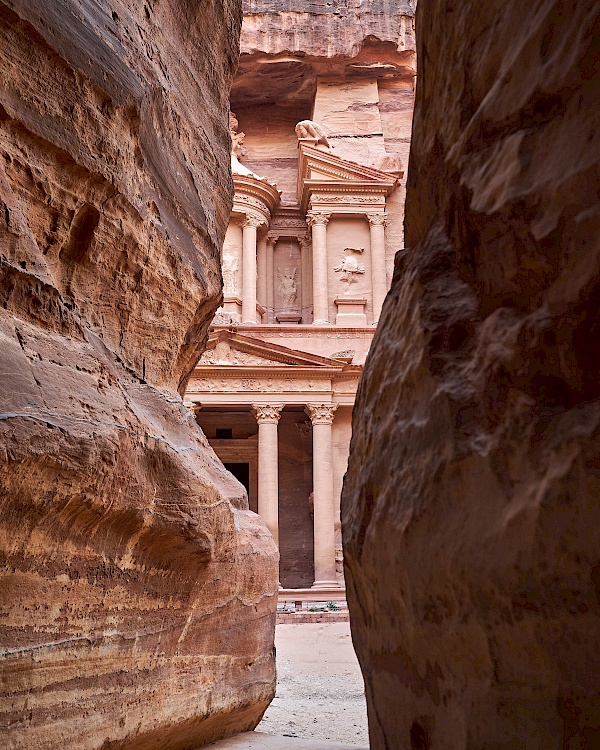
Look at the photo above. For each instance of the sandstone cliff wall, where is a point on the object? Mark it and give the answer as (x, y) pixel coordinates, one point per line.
(137, 591)
(470, 510)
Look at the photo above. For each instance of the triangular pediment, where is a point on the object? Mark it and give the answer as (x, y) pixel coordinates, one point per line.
(317, 164)
(318, 169)
(230, 349)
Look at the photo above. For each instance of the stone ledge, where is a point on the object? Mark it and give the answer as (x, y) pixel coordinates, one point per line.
(301, 617)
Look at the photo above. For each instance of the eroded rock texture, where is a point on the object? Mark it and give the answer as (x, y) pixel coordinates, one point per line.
(138, 592)
(470, 508)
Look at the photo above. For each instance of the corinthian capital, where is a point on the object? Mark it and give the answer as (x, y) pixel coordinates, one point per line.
(252, 221)
(377, 220)
(267, 413)
(317, 217)
(321, 413)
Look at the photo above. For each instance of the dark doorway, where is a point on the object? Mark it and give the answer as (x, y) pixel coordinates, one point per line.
(241, 472)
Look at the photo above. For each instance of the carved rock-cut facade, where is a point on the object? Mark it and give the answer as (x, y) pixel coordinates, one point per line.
(317, 217)
(139, 591)
(470, 509)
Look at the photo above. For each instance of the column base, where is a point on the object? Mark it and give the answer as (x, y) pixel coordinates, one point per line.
(317, 585)
(321, 323)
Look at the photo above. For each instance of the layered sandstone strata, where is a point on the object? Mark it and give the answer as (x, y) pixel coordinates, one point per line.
(138, 592)
(470, 509)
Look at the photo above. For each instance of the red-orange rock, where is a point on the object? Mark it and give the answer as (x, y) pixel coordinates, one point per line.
(470, 509)
(138, 592)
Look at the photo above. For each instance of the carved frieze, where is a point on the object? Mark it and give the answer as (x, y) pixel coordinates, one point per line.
(258, 385)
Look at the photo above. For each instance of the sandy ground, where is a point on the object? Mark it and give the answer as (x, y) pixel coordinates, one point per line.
(320, 691)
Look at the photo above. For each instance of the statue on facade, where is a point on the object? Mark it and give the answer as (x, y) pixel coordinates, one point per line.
(313, 131)
(288, 287)
(350, 269)
(229, 268)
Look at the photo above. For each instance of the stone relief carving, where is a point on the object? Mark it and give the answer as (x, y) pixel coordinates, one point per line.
(230, 270)
(346, 198)
(265, 413)
(311, 130)
(321, 413)
(350, 269)
(317, 217)
(237, 139)
(288, 287)
(272, 385)
(378, 220)
(223, 354)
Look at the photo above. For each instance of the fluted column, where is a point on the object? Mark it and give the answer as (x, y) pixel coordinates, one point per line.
(377, 222)
(306, 277)
(267, 416)
(321, 416)
(261, 270)
(270, 271)
(249, 227)
(318, 220)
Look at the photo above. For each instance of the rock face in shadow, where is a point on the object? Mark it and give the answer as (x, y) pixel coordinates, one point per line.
(470, 510)
(138, 592)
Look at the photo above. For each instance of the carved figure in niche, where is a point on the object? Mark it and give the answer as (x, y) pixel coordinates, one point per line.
(230, 269)
(288, 287)
(312, 130)
(350, 269)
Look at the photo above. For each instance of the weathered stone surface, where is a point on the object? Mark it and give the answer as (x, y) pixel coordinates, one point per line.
(138, 592)
(470, 511)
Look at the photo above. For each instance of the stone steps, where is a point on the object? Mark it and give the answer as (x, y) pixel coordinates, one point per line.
(262, 741)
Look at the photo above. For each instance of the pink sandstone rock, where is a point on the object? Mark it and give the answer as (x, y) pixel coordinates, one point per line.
(138, 592)
(470, 510)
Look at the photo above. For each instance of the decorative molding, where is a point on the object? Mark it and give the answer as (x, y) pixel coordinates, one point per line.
(378, 219)
(267, 413)
(319, 218)
(346, 198)
(321, 413)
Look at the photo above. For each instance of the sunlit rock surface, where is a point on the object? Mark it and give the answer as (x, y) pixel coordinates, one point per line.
(138, 592)
(470, 511)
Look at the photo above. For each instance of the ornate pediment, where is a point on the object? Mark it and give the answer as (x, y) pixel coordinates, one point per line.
(229, 349)
(323, 172)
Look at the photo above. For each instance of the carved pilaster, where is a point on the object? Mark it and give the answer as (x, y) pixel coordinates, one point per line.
(267, 413)
(321, 413)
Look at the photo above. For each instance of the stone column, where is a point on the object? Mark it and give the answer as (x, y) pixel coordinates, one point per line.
(321, 416)
(270, 271)
(306, 277)
(267, 416)
(378, 274)
(317, 220)
(249, 227)
(261, 270)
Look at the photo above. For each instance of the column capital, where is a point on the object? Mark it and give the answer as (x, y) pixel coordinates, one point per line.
(272, 238)
(267, 413)
(317, 218)
(321, 413)
(252, 221)
(377, 219)
(304, 240)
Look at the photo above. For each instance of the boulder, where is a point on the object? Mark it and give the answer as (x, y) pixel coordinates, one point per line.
(470, 509)
(138, 590)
